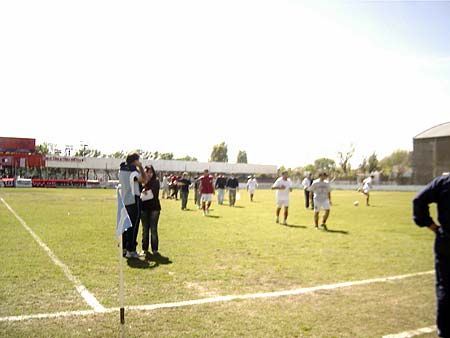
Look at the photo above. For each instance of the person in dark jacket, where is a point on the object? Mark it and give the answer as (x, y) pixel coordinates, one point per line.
(184, 183)
(233, 187)
(151, 210)
(438, 191)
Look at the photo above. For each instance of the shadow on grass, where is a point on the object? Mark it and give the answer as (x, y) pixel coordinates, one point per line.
(212, 216)
(238, 206)
(343, 232)
(158, 259)
(296, 226)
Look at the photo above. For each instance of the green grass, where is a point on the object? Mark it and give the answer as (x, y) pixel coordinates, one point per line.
(236, 251)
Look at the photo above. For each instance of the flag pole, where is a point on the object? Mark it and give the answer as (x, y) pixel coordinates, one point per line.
(122, 308)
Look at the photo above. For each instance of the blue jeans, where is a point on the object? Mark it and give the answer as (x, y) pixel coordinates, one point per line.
(150, 224)
(184, 199)
(442, 266)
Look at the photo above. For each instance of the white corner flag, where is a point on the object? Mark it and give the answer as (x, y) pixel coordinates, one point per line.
(123, 220)
(123, 223)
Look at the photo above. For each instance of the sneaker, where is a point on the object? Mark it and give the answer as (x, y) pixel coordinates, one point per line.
(207, 211)
(132, 254)
(284, 222)
(324, 227)
(204, 213)
(277, 220)
(155, 253)
(316, 227)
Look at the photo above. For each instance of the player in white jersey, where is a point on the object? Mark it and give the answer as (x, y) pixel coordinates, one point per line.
(283, 186)
(366, 187)
(252, 184)
(322, 199)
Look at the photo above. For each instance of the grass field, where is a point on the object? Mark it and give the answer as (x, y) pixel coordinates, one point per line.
(236, 251)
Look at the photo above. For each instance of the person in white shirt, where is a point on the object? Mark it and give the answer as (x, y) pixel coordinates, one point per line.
(283, 185)
(366, 187)
(322, 199)
(307, 181)
(252, 184)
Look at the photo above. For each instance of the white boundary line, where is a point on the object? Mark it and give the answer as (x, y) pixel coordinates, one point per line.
(220, 298)
(87, 296)
(412, 333)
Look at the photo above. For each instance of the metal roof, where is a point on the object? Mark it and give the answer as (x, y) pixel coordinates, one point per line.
(441, 130)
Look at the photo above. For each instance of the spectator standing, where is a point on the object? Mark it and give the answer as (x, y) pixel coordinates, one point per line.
(151, 210)
(184, 183)
(233, 187)
(252, 184)
(165, 186)
(131, 175)
(221, 182)
(283, 185)
(321, 191)
(438, 191)
(197, 195)
(307, 181)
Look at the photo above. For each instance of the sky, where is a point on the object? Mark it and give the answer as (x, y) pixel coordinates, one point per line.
(286, 81)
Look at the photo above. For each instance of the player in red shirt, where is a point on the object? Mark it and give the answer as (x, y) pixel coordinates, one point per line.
(206, 190)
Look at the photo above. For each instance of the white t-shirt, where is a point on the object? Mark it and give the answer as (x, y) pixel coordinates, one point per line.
(306, 183)
(321, 189)
(367, 183)
(282, 194)
(252, 184)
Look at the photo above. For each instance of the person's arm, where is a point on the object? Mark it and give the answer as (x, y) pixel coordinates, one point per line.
(421, 210)
(143, 179)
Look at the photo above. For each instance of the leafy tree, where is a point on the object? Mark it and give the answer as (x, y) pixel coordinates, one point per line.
(242, 157)
(44, 148)
(118, 154)
(85, 152)
(325, 164)
(219, 153)
(398, 162)
(187, 158)
(344, 159)
(166, 156)
(372, 163)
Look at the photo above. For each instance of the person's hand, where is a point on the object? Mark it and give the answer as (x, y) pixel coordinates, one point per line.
(433, 227)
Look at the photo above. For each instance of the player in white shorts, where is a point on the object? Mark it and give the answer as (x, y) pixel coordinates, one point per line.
(366, 187)
(283, 185)
(251, 186)
(322, 199)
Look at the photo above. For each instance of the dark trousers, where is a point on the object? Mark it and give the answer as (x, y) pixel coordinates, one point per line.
(184, 198)
(442, 265)
(129, 238)
(232, 196)
(150, 224)
(307, 198)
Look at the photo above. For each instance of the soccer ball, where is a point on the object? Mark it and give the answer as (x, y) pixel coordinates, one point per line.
(356, 203)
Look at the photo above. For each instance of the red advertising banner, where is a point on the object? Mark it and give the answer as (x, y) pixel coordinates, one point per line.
(17, 145)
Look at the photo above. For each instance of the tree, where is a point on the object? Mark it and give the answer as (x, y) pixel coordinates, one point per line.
(44, 148)
(219, 153)
(242, 157)
(372, 163)
(344, 159)
(397, 163)
(187, 158)
(166, 156)
(118, 154)
(325, 164)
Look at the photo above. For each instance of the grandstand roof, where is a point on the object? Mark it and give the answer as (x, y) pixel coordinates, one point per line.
(441, 130)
